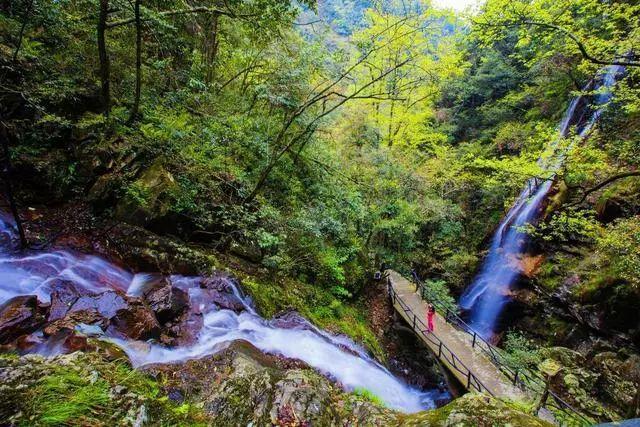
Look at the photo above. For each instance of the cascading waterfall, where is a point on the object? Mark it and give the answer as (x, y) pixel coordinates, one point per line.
(487, 295)
(336, 356)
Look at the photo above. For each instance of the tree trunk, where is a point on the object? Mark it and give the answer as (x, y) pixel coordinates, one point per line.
(104, 57)
(211, 49)
(6, 176)
(25, 19)
(136, 102)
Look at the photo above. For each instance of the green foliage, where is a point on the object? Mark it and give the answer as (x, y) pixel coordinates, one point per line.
(341, 292)
(138, 193)
(368, 395)
(619, 244)
(438, 292)
(521, 353)
(566, 226)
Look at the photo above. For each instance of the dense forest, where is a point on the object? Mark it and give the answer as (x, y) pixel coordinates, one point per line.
(295, 147)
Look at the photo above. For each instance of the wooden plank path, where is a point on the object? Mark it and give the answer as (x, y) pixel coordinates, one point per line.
(453, 347)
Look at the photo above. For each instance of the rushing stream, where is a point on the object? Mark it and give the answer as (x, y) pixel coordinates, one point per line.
(336, 356)
(487, 295)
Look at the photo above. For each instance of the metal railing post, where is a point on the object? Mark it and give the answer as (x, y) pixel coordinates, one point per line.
(474, 340)
(414, 322)
(440, 350)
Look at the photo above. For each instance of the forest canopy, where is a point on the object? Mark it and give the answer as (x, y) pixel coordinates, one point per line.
(320, 149)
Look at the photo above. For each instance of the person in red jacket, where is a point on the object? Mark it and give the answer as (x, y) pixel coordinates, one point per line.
(431, 312)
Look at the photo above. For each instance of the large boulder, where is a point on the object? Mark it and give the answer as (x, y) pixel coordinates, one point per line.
(291, 319)
(136, 321)
(106, 304)
(63, 295)
(166, 301)
(18, 316)
(149, 197)
(86, 309)
(184, 330)
(218, 289)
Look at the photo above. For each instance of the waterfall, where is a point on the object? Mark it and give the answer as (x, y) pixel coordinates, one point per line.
(338, 357)
(487, 295)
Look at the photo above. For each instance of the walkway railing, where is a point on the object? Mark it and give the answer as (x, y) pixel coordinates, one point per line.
(527, 380)
(444, 352)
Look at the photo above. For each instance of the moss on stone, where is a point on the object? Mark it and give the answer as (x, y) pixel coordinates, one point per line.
(84, 389)
(473, 410)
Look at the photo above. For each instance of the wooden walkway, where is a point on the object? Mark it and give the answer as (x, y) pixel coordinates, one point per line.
(454, 348)
(477, 364)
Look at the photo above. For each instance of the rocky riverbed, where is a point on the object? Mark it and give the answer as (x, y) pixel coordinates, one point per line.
(72, 326)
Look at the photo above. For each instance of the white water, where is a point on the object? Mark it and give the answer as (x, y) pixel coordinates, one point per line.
(336, 356)
(489, 291)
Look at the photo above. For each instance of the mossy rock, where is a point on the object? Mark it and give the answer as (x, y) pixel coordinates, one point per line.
(149, 197)
(84, 389)
(473, 410)
(243, 386)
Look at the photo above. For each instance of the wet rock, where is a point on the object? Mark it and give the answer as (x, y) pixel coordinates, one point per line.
(184, 331)
(19, 316)
(106, 304)
(76, 342)
(166, 301)
(89, 330)
(217, 282)
(27, 343)
(218, 289)
(137, 321)
(64, 294)
(69, 322)
(291, 319)
(95, 310)
(243, 386)
(224, 300)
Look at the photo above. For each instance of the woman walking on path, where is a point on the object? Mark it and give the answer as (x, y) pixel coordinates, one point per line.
(431, 312)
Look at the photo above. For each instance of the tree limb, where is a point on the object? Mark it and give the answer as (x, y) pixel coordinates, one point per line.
(311, 126)
(601, 185)
(581, 47)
